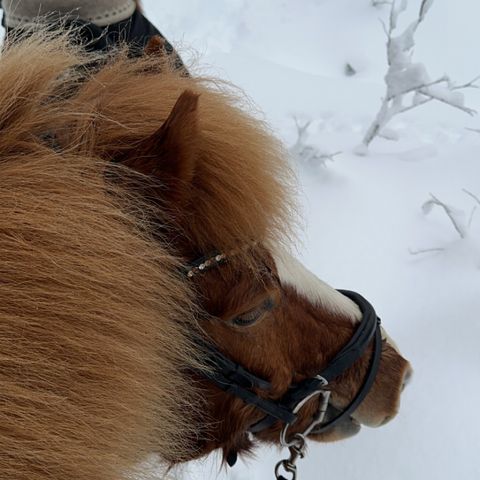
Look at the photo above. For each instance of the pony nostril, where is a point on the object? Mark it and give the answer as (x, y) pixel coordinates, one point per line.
(407, 377)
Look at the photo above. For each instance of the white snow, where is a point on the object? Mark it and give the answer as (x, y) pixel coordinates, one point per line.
(364, 214)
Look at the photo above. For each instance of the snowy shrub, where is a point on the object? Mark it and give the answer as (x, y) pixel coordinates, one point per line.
(303, 152)
(457, 218)
(408, 83)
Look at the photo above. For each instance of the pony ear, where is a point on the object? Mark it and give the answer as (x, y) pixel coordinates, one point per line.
(155, 46)
(169, 154)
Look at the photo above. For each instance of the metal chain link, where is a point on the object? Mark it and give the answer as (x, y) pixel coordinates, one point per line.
(289, 464)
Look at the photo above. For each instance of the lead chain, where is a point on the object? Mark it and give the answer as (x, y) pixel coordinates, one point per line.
(289, 464)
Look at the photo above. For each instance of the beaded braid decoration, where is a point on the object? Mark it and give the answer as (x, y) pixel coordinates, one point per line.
(213, 260)
(205, 263)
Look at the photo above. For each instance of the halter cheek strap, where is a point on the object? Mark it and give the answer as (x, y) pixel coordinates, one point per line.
(231, 377)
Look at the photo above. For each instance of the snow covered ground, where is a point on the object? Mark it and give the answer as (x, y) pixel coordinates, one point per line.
(363, 214)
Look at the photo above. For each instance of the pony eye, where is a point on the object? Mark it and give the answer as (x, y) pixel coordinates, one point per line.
(249, 318)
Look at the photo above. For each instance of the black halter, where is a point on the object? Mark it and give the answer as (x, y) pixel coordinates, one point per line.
(236, 380)
(368, 330)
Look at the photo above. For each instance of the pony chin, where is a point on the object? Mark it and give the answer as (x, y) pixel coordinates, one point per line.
(346, 428)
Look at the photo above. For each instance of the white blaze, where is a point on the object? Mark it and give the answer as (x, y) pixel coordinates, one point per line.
(292, 273)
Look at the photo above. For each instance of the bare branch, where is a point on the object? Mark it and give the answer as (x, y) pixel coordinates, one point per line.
(472, 213)
(329, 156)
(449, 212)
(424, 8)
(440, 99)
(419, 87)
(425, 250)
(301, 129)
(474, 209)
(470, 84)
(305, 152)
(395, 12)
(431, 97)
(469, 193)
(384, 26)
(391, 19)
(414, 105)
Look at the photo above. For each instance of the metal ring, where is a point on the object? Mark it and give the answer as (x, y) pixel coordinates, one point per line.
(319, 417)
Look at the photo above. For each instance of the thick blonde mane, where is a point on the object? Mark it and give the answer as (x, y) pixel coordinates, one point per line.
(241, 187)
(93, 321)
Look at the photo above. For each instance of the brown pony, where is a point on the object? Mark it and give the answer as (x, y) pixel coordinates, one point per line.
(223, 185)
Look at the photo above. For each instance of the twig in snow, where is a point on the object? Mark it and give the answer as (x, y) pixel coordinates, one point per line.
(472, 214)
(469, 193)
(305, 152)
(455, 216)
(424, 8)
(301, 129)
(425, 250)
(329, 156)
(404, 77)
(451, 214)
(433, 96)
(474, 209)
(378, 3)
(470, 84)
(428, 97)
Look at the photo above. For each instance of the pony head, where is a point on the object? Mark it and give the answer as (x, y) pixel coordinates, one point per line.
(226, 186)
(116, 174)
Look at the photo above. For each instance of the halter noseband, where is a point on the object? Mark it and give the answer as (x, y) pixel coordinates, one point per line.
(238, 381)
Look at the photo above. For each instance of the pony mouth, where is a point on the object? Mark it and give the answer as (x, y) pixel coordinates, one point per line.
(346, 427)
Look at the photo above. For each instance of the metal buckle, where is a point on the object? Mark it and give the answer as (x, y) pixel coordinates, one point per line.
(317, 419)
